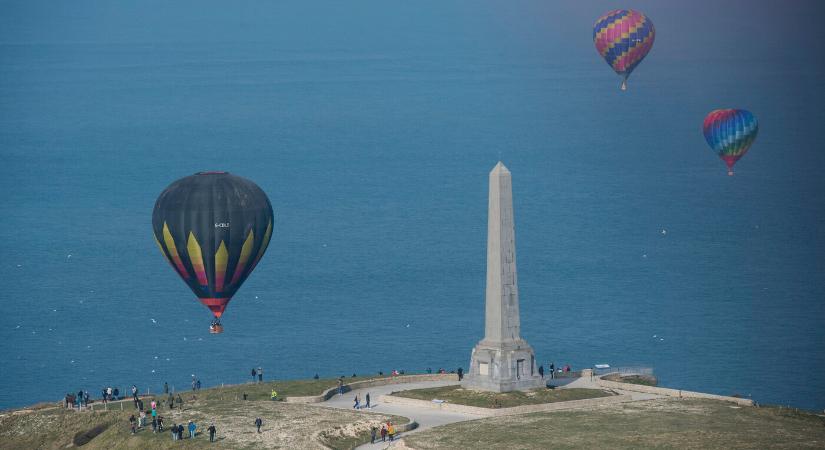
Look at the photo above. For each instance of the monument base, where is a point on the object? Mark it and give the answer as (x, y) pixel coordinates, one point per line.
(503, 367)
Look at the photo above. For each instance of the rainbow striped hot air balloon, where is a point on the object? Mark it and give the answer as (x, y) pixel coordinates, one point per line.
(623, 37)
(730, 133)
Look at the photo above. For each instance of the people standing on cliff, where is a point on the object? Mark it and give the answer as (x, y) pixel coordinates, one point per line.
(340, 386)
(193, 384)
(541, 371)
(212, 432)
(373, 432)
(273, 395)
(198, 385)
(368, 401)
(160, 423)
(180, 431)
(192, 428)
(315, 377)
(165, 387)
(135, 393)
(259, 423)
(460, 373)
(179, 402)
(254, 373)
(154, 425)
(174, 431)
(383, 433)
(260, 374)
(552, 371)
(109, 392)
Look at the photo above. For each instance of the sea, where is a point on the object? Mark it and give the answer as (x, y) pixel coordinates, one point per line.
(372, 127)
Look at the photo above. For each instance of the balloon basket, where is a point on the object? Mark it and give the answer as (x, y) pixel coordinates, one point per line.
(216, 328)
(730, 173)
(624, 85)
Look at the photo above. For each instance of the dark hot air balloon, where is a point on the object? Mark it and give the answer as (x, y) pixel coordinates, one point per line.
(213, 228)
(623, 37)
(730, 133)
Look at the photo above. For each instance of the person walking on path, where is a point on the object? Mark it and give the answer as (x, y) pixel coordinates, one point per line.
(460, 373)
(391, 431)
(368, 401)
(340, 386)
(132, 423)
(357, 404)
(373, 431)
(134, 393)
(383, 433)
(258, 423)
(192, 428)
(212, 432)
(254, 373)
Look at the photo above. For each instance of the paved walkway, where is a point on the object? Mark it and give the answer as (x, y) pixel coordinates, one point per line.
(428, 418)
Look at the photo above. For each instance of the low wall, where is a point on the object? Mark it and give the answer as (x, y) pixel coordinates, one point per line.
(678, 393)
(400, 379)
(497, 412)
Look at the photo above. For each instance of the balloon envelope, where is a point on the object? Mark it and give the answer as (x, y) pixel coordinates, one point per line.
(213, 228)
(623, 37)
(730, 133)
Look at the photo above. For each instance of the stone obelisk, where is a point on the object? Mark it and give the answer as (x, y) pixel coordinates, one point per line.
(502, 361)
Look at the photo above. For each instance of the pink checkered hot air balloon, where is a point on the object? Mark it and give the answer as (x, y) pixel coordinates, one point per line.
(623, 37)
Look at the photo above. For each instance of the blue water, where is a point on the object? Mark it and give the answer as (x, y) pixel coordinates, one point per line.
(372, 128)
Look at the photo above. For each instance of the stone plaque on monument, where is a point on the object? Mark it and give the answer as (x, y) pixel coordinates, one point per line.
(502, 361)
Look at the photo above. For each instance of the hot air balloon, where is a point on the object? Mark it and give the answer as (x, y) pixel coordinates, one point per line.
(730, 133)
(623, 37)
(213, 228)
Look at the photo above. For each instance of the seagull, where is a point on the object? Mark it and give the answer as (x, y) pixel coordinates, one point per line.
(664, 232)
(153, 320)
(68, 256)
(644, 255)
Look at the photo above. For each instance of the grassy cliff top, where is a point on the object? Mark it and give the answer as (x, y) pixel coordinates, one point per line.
(285, 425)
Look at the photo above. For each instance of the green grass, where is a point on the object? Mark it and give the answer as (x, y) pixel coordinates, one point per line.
(460, 396)
(262, 391)
(669, 423)
(644, 380)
